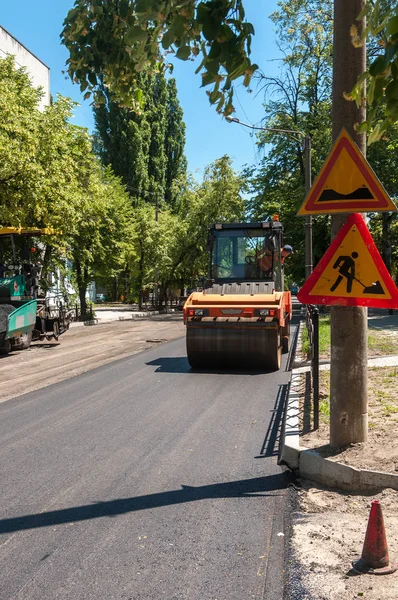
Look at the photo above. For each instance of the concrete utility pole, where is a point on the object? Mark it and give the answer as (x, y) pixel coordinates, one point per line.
(349, 354)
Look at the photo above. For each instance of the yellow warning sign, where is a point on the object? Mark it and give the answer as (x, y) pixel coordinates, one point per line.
(351, 272)
(346, 183)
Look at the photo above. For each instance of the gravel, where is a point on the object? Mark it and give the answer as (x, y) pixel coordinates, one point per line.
(5, 310)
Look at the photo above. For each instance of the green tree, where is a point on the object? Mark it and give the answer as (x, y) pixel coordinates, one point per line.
(218, 199)
(156, 113)
(102, 242)
(116, 39)
(381, 92)
(174, 145)
(172, 250)
(19, 124)
(142, 269)
(147, 149)
(111, 41)
(49, 177)
(38, 155)
(121, 140)
(299, 101)
(383, 158)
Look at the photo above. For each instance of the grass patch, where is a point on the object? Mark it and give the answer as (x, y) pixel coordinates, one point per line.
(324, 337)
(383, 395)
(324, 396)
(379, 343)
(324, 334)
(324, 410)
(389, 409)
(305, 341)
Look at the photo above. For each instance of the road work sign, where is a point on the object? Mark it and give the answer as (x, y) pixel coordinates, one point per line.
(351, 273)
(346, 183)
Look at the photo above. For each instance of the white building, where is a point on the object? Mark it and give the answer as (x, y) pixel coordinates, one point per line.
(39, 72)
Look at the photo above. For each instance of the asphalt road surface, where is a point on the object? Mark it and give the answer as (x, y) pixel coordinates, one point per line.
(142, 479)
(82, 349)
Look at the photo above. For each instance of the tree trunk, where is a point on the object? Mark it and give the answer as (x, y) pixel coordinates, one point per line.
(163, 294)
(115, 289)
(82, 287)
(159, 304)
(140, 278)
(349, 352)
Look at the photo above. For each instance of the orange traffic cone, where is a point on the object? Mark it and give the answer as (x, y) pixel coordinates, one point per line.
(374, 559)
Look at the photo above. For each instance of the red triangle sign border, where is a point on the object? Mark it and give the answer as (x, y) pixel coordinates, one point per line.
(381, 201)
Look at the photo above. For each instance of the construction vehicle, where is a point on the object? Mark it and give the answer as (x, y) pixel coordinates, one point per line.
(242, 316)
(26, 311)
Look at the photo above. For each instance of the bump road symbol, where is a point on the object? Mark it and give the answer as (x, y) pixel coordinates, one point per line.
(346, 183)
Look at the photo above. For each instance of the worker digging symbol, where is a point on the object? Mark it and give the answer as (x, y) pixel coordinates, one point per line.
(351, 272)
(346, 268)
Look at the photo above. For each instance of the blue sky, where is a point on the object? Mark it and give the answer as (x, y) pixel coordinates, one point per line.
(38, 23)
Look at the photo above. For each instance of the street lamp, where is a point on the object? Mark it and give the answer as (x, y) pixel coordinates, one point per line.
(307, 175)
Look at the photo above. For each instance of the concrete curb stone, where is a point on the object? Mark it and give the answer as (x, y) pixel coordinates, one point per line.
(309, 463)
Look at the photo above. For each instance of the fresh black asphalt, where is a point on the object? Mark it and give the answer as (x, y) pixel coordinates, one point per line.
(144, 480)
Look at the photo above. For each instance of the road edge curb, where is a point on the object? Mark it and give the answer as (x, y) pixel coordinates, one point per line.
(133, 317)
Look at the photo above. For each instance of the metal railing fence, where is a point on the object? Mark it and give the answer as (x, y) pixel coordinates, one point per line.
(312, 320)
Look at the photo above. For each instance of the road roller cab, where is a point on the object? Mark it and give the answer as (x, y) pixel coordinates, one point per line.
(242, 316)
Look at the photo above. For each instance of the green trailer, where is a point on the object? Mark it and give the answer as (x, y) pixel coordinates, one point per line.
(17, 325)
(25, 311)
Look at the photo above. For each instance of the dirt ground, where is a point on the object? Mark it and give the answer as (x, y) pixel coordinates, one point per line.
(329, 532)
(380, 453)
(81, 349)
(328, 535)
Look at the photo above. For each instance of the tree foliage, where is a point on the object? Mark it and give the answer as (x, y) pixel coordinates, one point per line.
(383, 158)
(173, 249)
(381, 91)
(102, 242)
(38, 155)
(146, 150)
(174, 145)
(121, 140)
(49, 177)
(218, 199)
(298, 101)
(111, 41)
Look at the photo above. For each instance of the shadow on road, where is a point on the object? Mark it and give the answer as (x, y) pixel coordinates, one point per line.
(33, 346)
(180, 364)
(45, 345)
(272, 438)
(245, 488)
